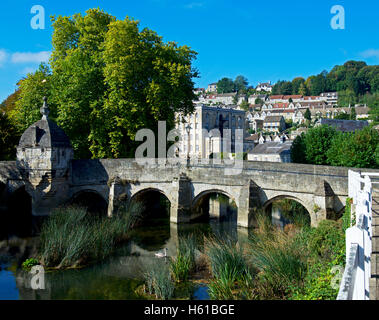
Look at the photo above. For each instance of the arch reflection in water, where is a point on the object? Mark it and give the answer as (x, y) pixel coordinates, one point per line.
(18, 214)
(153, 228)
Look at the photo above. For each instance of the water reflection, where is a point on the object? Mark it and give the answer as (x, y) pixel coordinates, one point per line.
(116, 278)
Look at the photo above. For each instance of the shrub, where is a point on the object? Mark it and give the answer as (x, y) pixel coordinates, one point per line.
(327, 239)
(346, 218)
(29, 263)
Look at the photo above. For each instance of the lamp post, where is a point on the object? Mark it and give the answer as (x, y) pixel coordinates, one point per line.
(188, 129)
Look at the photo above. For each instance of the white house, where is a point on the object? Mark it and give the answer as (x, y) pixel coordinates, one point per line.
(266, 86)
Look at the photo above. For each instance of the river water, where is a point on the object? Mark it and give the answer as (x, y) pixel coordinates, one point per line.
(117, 277)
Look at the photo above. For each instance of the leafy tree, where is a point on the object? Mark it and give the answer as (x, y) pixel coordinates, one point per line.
(307, 115)
(31, 90)
(296, 85)
(245, 105)
(10, 102)
(353, 114)
(346, 98)
(240, 83)
(303, 90)
(225, 85)
(357, 149)
(286, 88)
(317, 142)
(259, 101)
(374, 111)
(109, 79)
(9, 138)
(78, 76)
(298, 149)
(342, 116)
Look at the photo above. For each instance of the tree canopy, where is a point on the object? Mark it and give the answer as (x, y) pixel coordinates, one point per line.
(324, 145)
(108, 79)
(353, 80)
(225, 85)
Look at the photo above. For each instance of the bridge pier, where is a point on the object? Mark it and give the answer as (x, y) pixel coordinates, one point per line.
(249, 205)
(180, 211)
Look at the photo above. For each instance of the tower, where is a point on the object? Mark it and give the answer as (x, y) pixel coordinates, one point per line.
(44, 157)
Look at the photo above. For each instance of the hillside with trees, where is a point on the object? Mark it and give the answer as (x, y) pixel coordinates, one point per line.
(355, 82)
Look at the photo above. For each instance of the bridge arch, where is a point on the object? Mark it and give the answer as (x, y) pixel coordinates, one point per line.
(92, 200)
(208, 204)
(153, 227)
(267, 206)
(19, 212)
(155, 203)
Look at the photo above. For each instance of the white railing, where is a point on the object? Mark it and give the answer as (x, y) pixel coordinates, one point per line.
(356, 277)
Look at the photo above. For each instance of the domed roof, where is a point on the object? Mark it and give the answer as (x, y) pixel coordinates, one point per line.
(44, 133)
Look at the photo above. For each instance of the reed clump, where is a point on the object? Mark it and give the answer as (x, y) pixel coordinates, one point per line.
(229, 266)
(70, 237)
(184, 263)
(158, 280)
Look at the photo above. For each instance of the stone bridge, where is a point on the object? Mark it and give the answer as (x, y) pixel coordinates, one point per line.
(46, 175)
(322, 190)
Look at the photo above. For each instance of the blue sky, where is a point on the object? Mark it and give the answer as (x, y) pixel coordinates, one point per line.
(262, 40)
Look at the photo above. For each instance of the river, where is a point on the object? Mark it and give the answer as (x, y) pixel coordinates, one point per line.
(117, 277)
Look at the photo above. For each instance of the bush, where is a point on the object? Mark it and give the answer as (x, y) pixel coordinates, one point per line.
(29, 263)
(346, 218)
(327, 239)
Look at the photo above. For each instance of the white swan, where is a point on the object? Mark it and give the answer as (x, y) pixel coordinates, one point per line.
(161, 254)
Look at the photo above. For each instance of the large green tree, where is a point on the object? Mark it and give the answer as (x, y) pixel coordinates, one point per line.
(32, 89)
(109, 79)
(240, 84)
(225, 85)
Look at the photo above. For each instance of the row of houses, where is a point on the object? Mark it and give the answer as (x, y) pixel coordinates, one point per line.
(212, 87)
(274, 101)
(257, 119)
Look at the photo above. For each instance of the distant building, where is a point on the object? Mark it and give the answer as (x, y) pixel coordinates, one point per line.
(267, 87)
(253, 97)
(343, 125)
(274, 124)
(330, 97)
(208, 118)
(362, 112)
(256, 124)
(198, 91)
(272, 151)
(212, 87)
(298, 132)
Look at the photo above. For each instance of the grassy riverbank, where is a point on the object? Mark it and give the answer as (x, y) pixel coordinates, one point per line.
(295, 263)
(70, 237)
